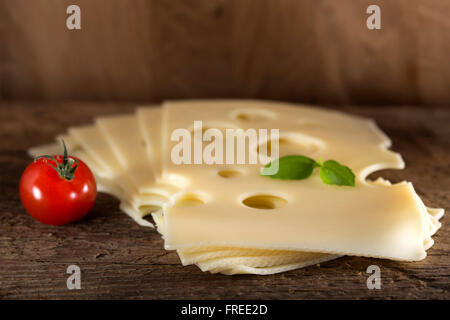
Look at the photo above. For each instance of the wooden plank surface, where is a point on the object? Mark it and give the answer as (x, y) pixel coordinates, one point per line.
(311, 51)
(120, 259)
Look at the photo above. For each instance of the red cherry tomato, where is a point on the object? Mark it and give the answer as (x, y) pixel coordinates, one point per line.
(53, 194)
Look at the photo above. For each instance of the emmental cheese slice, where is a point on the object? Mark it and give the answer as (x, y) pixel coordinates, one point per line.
(223, 259)
(113, 128)
(214, 259)
(149, 119)
(112, 178)
(94, 140)
(229, 260)
(123, 136)
(91, 139)
(306, 215)
(151, 133)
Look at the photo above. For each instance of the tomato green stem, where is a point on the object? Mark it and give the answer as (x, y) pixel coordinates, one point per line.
(66, 170)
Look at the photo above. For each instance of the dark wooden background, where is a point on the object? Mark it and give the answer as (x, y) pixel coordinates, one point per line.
(296, 50)
(151, 50)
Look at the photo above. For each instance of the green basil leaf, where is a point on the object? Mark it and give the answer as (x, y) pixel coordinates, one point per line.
(332, 172)
(291, 168)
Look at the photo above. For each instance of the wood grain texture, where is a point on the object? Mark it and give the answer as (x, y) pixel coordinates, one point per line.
(295, 50)
(121, 260)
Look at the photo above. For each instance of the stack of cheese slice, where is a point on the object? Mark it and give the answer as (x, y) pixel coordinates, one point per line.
(229, 218)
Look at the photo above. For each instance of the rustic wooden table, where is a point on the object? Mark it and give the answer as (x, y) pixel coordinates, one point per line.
(120, 259)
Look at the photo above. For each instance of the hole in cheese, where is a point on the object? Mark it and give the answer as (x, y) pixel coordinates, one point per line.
(264, 202)
(253, 115)
(291, 144)
(243, 117)
(229, 173)
(189, 200)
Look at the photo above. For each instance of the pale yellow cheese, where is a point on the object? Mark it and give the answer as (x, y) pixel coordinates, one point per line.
(244, 269)
(124, 137)
(150, 131)
(217, 259)
(218, 265)
(368, 220)
(241, 260)
(94, 143)
(92, 140)
(213, 258)
(236, 267)
(149, 119)
(247, 260)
